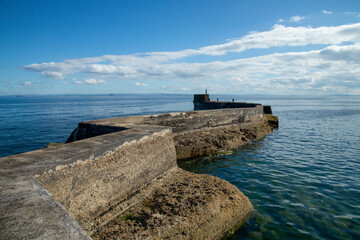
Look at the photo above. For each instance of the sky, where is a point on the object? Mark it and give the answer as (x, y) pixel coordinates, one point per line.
(279, 47)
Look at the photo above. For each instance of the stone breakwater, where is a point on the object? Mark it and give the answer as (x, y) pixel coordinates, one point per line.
(118, 178)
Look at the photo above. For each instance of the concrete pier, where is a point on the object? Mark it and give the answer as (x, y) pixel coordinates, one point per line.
(108, 166)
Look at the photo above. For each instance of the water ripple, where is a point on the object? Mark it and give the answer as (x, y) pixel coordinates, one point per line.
(304, 179)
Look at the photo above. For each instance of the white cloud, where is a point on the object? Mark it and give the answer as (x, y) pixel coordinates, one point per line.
(326, 12)
(308, 70)
(296, 19)
(140, 65)
(79, 82)
(348, 54)
(90, 81)
(55, 75)
(94, 81)
(24, 84)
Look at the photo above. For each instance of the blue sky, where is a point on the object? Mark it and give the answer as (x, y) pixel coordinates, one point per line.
(164, 46)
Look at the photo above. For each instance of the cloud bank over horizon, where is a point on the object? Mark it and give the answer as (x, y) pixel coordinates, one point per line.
(330, 63)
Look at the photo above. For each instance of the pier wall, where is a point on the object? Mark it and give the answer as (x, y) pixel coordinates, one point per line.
(88, 178)
(178, 121)
(89, 188)
(203, 102)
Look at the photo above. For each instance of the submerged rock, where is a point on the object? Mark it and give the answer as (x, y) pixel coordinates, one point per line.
(211, 140)
(183, 206)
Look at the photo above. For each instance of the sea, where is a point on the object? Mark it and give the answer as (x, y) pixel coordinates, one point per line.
(303, 179)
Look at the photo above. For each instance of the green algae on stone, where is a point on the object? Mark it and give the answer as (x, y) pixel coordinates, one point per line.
(225, 152)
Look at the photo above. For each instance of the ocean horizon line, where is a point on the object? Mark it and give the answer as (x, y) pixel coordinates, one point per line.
(230, 94)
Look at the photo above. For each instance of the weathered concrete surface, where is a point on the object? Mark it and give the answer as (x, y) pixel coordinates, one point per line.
(183, 206)
(29, 211)
(89, 188)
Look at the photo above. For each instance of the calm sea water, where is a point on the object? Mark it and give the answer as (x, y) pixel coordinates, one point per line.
(303, 179)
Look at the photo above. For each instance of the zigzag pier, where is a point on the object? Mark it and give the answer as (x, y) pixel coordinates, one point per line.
(119, 177)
